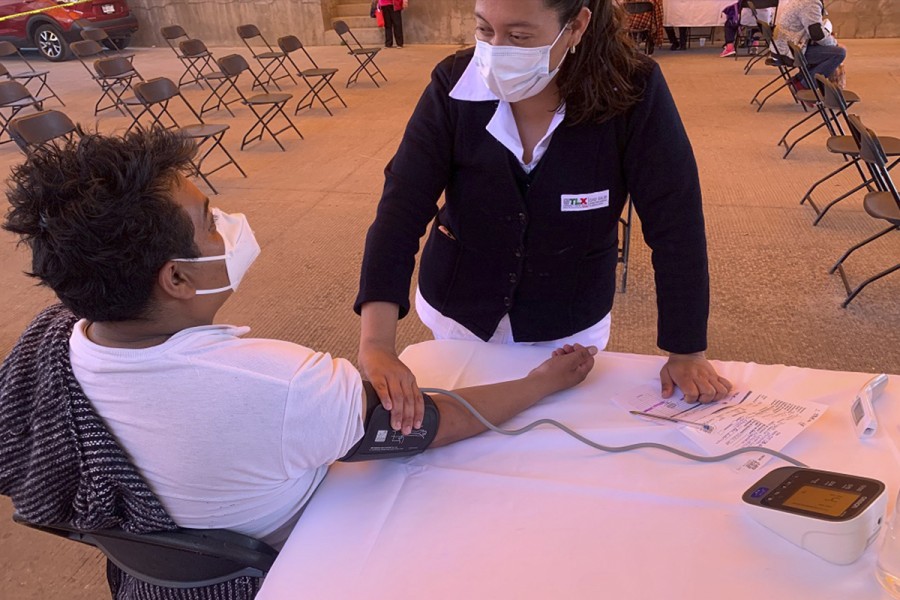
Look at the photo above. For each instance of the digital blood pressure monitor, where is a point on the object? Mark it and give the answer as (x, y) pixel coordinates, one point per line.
(833, 515)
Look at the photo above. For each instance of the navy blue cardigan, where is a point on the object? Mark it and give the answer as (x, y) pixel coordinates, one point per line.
(511, 248)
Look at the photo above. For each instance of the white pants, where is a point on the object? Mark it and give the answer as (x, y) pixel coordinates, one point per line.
(445, 328)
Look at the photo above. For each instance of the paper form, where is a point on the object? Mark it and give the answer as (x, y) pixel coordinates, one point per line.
(742, 419)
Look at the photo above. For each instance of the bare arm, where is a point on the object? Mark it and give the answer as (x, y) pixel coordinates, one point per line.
(500, 402)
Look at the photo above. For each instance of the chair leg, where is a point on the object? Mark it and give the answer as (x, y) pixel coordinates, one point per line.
(839, 267)
(845, 195)
(220, 97)
(263, 121)
(808, 195)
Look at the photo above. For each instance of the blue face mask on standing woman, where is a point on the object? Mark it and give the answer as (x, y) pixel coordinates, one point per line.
(514, 73)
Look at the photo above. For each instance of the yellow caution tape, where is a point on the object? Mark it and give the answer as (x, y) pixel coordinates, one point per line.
(40, 10)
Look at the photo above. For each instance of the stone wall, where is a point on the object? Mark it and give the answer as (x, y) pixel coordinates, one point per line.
(865, 18)
(425, 21)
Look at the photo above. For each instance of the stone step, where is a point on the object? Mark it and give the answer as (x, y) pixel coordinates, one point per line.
(359, 22)
(357, 9)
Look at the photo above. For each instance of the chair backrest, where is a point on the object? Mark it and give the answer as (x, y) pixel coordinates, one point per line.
(98, 35)
(248, 31)
(13, 91)
(637, 8)
(8, 49)
(341, 28)
(85, 48)
(172, 32)
(114, 66)
(39, 128)
(193, 47)
(870, 149)
(832, 96)
(289, 43)
(153, 91)
(184, 558)
(233, 65)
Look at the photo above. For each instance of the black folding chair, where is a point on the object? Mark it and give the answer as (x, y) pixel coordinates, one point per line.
(180, 559)
(14, 97)
(318, 79)
(156, 95)
(32, 74)
(114, 75)
(643, 13)
(813, 97)
(883, 204)
(846, 145)
(784, 64)
(35, 130)
(270, 62)
(173, 35)
(365, 57)
(100, 36)
(265, 107)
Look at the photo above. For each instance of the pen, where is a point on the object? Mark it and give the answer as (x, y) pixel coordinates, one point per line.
(704, 426)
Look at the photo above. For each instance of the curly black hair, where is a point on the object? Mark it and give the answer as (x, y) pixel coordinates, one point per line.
(97, 214)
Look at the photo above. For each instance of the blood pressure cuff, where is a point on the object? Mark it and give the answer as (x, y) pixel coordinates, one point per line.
(817, 32)
(381, 441)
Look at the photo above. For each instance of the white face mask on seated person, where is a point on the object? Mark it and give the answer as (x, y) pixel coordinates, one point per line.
(513, 73)
(241, 249)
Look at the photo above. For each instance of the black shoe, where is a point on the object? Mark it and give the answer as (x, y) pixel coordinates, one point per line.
(675, 46)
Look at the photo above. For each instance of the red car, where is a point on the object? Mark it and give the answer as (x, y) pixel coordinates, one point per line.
(50, 25)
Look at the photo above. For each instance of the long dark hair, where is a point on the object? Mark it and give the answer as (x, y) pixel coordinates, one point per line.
(600, 80)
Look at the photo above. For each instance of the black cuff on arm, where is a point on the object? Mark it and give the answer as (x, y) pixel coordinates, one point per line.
(816, 32)
(381, 441)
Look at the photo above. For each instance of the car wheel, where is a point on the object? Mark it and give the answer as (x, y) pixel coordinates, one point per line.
(49, 41)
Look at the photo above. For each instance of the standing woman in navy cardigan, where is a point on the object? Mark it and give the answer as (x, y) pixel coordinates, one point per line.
(536, 137)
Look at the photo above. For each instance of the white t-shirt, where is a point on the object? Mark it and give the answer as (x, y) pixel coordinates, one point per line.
(228, 432)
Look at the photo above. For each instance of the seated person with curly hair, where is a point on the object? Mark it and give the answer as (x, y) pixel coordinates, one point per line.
(227, 431)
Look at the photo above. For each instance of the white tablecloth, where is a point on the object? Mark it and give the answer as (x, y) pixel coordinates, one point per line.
(694, 13)
(542, 516)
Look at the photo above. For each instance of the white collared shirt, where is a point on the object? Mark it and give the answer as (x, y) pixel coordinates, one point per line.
(471, 88)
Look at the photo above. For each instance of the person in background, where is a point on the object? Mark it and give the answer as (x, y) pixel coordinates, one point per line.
(733, 22)
(651, 22)
(679, 43)
(392, 10)
(535, 138)
(803, 22)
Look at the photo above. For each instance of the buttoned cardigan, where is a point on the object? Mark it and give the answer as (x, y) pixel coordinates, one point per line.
(503, 242)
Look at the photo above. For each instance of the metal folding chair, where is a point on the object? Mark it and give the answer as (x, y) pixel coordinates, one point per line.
(784, 64)
(180, 559)
(32, 131)
(265, 107)
(318, 79)
(270, 62)
(14, 97)
(758, 53)
(813, 97)
(883, 204)
(847, 146)
(32, 74)
(100, 36)
(156, 95)
(365, 57)
(174, 34)
(114, 76)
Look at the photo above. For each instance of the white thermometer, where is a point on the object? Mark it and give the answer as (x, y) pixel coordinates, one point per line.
(863, 408)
